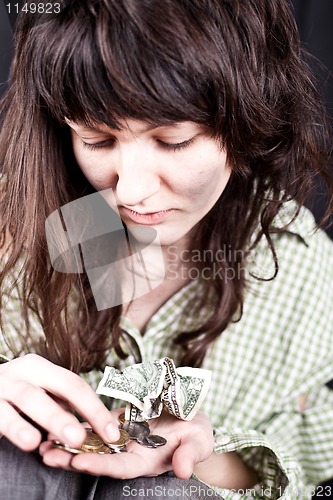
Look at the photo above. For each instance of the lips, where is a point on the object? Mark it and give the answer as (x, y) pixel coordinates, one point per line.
(148, 218)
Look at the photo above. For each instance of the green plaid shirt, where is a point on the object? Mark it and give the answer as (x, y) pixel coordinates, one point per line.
(280, 350)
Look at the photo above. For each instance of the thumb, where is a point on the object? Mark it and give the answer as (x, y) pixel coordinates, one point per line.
(184, 459)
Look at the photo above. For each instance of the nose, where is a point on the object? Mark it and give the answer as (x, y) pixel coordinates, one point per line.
(138, 178)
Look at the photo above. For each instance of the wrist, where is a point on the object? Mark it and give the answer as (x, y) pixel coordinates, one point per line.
(226, 470)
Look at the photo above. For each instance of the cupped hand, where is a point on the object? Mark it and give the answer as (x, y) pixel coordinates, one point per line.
(188, 443)
(48, 394)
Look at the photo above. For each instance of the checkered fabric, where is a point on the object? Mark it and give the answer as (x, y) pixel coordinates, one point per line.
(268, 399)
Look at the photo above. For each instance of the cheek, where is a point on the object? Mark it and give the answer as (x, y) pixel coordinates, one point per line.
(80, 156)
(94, 169)
(204, 184)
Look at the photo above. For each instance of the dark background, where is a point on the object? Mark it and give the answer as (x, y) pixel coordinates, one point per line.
(5, 46)
(314, 19)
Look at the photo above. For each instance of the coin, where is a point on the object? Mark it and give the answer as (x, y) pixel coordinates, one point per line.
(88, 447)
(92, 441)
(122, 441)
(143, 440)
(121, 418)
(154, 441)
(104, 450)
(65, 447)
(92, 437)
(136, 430)
(121, 449)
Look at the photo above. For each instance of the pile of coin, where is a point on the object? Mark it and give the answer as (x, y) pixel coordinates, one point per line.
(129, 430)
(95, 444)
(140, 432)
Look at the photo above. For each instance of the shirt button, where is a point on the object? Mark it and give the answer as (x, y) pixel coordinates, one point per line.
(223, 439)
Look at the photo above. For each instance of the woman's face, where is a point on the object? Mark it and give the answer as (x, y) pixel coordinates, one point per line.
(167, 177)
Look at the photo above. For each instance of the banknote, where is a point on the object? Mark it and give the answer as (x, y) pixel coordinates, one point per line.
(140, 384)
(185, 397)
(149, 387)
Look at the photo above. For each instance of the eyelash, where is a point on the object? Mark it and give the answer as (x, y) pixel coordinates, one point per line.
(164, 145)
(176, 147)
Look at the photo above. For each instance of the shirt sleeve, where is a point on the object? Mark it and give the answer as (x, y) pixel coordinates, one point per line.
(291, 452)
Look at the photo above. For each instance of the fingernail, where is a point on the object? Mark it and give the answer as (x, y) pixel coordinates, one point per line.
(112, 433)
(72, 434)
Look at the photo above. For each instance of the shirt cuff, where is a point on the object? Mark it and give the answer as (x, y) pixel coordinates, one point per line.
(279, 476)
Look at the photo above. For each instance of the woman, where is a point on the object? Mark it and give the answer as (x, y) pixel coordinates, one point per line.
(203, 121)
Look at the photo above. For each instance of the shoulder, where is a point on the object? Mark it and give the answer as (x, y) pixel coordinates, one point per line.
(302, 248)
(295, 309)
(282, 345)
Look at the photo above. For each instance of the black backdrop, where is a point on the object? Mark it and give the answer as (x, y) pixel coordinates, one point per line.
(5, 46)
(314, 19)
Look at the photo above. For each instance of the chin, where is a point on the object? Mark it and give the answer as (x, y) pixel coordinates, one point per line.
(172, 239)
(160, 234)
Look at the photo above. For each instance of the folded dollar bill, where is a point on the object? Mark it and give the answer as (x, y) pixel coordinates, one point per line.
(153, 386)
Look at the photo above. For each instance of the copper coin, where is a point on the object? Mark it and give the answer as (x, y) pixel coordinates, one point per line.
(65, 447)
(102, 450)
(85, 447)
(121, 418)
(92, 442)
(92, 438)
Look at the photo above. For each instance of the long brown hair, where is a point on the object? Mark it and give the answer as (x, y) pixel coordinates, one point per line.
(232, 65)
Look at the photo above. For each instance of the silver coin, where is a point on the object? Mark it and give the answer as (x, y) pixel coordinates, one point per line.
(118, 450)
(144, 441)
(136, 430)
(156, 440)
(152, 441)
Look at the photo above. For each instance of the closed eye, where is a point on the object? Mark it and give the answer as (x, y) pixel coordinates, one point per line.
(98, 145)
(175, 146)
(164, 145)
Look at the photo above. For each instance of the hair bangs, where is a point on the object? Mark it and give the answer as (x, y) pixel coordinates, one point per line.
(102, 70)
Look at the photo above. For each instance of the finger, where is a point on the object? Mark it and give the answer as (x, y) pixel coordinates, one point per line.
(61, 402)
(118, 465)
(16, 429)
(54, 457)
(67, 386)
(185, 457)
(41, 408)
(44, 447)
(80, 396)
(118, 411)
